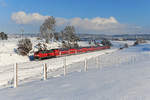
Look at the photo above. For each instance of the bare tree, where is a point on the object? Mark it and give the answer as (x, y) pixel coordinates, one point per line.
(24, 46)
(47, 29)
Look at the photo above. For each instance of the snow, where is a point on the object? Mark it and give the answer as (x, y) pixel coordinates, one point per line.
(121, 43)
(120, 75)
(34, 68)
(30, 69)
(124, 81)
(7, 52)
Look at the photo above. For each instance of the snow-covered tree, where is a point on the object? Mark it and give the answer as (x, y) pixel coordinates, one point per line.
(41, 46)
(139, 41)
(69, 35)
(3, 36)
(47, 29)
(106, 42)
(24, 46)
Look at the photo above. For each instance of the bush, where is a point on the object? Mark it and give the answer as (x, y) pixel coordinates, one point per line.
(139, 41)
(24, 46)
(38, 38)
(3, 36)
(126, 45)
(135, 43)
(76, 45)
(69, 45)
(106, 42)
(41, 46)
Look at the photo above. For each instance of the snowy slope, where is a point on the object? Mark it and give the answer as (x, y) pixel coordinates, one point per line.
(124, 81)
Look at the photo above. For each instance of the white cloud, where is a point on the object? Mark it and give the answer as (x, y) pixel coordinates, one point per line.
(23, 18)
(84, 25)
(93, 24)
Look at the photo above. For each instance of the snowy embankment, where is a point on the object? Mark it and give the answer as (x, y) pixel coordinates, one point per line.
(127, 80)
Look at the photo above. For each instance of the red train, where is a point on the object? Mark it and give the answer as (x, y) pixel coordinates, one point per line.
(60, 52)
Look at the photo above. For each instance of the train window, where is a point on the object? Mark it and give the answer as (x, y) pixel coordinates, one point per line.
(46, 51)
(49, 51)
(43, 51)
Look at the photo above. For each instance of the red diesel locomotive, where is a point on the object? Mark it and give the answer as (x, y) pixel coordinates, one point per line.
(60, 52)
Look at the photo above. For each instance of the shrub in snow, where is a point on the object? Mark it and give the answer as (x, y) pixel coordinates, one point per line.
(69, 45)
(126, 45)
(135, 43)
(41, 46)
(3, 36)
(139, 41)
(89, 42)
(24, 46)
(65, 44)
(76, 45)
(38, 38)
(106, 42)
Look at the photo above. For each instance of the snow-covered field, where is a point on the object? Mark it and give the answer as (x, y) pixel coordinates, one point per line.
(118, 75)
(34, 69)
(121, 75)
(30, 70)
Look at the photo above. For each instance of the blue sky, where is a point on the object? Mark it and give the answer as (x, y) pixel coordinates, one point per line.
(131, 12)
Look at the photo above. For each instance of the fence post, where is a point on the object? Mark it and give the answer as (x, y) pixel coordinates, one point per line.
(85, 65)
(15, 75)
(131, 59)
(64, 66)
(97, 61)
(128, 60)
(45, 71)
(134, 59)
(100, 64)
